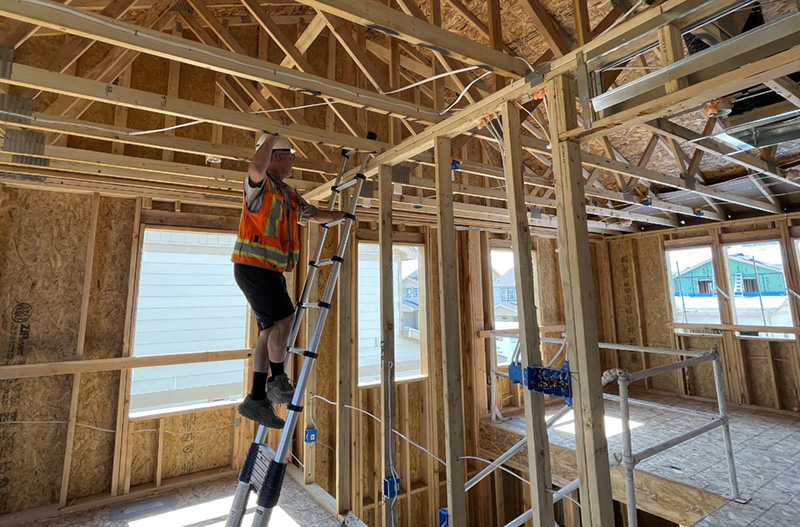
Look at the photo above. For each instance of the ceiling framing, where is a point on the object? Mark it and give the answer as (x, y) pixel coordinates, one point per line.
(352, 83)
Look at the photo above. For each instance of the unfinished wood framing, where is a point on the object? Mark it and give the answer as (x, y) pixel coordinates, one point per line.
(105, 90)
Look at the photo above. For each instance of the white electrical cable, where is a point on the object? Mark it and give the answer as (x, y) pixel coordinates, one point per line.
(504, 469)
(461, 95)
(439, 76)
(357, 409)
(56, 423)
(390, 404)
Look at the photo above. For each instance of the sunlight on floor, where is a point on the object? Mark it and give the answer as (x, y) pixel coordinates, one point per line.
(613, 425)
(206, 515)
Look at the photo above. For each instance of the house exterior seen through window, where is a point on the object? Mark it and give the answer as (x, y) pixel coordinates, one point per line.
(693, 284)
(409, 312)
(759, 287)
(504, 294)
(187, 302)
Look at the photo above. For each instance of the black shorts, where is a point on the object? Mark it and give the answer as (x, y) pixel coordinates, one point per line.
(265, 291)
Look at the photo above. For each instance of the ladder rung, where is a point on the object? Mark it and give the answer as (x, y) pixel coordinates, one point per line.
(297, 351)
(329, 261)
(347, 184)
(347, 216)
(324, 305)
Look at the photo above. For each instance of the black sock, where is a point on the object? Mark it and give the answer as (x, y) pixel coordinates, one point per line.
(276, 368)
(258, 390)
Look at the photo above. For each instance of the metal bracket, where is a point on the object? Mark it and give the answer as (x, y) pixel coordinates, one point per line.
(691, 182)
(534, 212)
(401, 174)
(31, 161)
(628, 194)
(6, 61)
(24, 142)
(368, 189)
(19, 108)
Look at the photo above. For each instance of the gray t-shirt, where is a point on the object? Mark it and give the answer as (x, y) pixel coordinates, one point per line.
(254, 197)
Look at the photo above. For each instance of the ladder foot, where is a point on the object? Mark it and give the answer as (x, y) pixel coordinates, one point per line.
(271, 487)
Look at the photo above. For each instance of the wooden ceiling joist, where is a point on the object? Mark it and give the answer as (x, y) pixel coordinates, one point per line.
(121, 135)
(421, 33)
(96, 91)
(134, 37)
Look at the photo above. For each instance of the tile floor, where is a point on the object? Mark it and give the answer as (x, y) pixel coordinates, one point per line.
(766, 451)
(202, 505)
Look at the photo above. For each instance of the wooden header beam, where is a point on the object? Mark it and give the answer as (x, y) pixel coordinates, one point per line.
(374, 15)
(130, 36)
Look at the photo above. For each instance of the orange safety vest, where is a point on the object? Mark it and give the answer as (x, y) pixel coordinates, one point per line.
(269, 238)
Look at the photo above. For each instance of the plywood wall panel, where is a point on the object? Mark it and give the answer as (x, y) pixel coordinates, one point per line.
(144, 451)
(623, 287)
(701, 377)
(782, 356)
(43, 237)
(197, 441)
(760, 373)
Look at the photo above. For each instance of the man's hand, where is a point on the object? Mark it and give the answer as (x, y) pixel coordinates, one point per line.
(260, 161)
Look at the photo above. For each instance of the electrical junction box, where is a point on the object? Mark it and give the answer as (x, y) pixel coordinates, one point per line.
(549, 381)
(391, 487)
(311, 435)
(515, 372)
(443, 517)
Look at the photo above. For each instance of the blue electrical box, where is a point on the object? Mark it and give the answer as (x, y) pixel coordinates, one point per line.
(550, 381)
(443, 518)
(311, 435)
(515, 372)
(455, 164)
(391, 487)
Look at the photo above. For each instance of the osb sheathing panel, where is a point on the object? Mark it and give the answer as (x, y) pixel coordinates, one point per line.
(197, 441)
(93, 451)
(41, 279)
(783, 355)
(97, 112)
(760, 372)
(623, 286)
(701, 377)
(655, 308)
(148, 73)
(144, 451)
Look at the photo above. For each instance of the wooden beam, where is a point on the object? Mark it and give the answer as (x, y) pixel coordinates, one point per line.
(583, 27)
(455, 125)
(46, 369)
(418, 32)
(143, 100)
(388, 415)
(346, 293)
(538, 444)
(670, 43)
(451, 349)
(209, 57)
(81, 345)
(579, 310)
(122, 135)
(548, 29)
(340, 29)
(786, 88)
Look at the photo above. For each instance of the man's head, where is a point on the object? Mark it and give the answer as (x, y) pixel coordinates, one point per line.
(282, 158)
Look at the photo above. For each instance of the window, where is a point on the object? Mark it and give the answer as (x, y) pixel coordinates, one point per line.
(409, 312)
(505, 300)
(187, 302)
(694, 293)
(759, 287)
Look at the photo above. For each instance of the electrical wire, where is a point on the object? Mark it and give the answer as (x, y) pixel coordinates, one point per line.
(410, 441)
(56, 423)
(463, 92)
(424, 81)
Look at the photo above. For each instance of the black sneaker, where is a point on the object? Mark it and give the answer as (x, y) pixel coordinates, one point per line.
(261, 412)
(280, 390)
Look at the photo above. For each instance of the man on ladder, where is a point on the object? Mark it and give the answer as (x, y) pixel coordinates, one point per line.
(268, 244)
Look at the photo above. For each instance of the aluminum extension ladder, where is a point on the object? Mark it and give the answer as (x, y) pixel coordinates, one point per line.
(263, 469)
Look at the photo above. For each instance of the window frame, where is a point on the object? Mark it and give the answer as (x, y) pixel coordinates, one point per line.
(422, 296)
(690, 329)
(506, 245)
(174, 221)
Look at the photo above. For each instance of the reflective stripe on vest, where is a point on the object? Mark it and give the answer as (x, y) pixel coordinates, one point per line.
(269, 238)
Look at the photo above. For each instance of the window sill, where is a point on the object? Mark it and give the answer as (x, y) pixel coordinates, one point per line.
(168, 412)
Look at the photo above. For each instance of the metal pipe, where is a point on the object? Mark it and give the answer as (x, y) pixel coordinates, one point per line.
(658, 370)
(676, 409)
(624, 380)
(571, 487)
(726, 431)
(666, 445)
